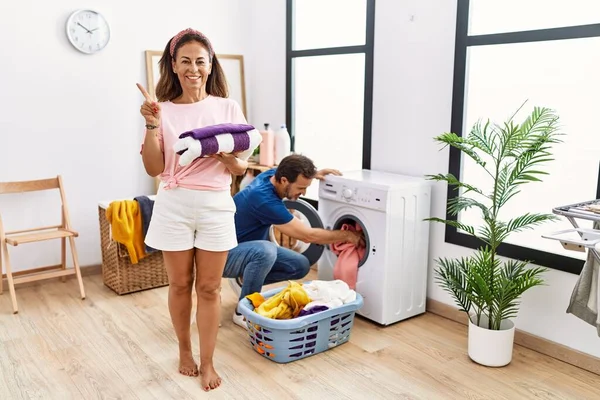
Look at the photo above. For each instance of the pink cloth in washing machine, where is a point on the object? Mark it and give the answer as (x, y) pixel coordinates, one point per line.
(349, 256)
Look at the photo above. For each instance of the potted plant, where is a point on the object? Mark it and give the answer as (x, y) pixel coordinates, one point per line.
(485, 287)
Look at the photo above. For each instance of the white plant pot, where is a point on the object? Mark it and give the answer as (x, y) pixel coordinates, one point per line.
(490, 347)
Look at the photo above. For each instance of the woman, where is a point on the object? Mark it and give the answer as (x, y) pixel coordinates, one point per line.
(193, 216)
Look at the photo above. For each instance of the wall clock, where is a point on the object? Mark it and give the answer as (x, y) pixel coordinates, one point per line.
(88, 31)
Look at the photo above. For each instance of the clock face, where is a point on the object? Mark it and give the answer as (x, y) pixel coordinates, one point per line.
(88, 31)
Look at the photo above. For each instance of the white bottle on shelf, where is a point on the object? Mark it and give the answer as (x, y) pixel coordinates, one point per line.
(282, 144)
(248, 178)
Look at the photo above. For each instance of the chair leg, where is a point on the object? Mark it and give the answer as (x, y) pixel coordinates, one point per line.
(76, 266)
(9, 278)
(63, 256)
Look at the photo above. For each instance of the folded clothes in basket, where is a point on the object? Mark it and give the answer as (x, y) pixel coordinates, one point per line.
(298, 300)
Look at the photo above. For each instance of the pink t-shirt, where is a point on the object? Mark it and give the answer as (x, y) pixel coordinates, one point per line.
(202, 173)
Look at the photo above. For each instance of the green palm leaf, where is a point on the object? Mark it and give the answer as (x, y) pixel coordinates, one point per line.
(482, 139)
(452, 181)
(451, 276)
(461, 203)
(456, 224)
(529, 221)
(463, 145)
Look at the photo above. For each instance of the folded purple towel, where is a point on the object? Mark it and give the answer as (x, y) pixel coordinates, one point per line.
(210, 145)
(210, 131)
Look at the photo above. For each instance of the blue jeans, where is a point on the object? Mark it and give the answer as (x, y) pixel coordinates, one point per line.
(261, 262)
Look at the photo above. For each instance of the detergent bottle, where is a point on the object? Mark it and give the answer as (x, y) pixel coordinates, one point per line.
(267, 147)
(282, 144)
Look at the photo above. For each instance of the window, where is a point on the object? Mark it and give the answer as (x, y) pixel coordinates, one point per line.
(330, 82)
(510, 52)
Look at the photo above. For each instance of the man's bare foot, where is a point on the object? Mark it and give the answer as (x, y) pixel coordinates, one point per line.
(187, 365)
(209, 378)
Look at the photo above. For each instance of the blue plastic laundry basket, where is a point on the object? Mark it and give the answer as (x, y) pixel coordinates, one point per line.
(287, 340)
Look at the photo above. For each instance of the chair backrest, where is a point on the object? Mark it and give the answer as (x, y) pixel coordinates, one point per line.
(30, 186)
(39, 185)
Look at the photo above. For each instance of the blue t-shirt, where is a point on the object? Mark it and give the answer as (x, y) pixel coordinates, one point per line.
(259, 207)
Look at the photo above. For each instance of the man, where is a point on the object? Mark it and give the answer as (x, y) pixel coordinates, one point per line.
(258, 261)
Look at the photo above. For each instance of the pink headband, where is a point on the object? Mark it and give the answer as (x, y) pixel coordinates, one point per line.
(178, 37)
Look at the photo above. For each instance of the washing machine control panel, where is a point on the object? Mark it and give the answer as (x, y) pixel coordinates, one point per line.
(363, 196)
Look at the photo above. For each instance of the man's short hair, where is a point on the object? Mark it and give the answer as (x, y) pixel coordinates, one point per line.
(293, 166)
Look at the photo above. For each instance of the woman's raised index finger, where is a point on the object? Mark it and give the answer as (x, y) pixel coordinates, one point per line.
(144, 92)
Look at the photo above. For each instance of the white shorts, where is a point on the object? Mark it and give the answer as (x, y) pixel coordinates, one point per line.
(184, 218)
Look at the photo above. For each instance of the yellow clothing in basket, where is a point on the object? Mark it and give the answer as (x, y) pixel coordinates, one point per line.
(125, 220)
(286, 304)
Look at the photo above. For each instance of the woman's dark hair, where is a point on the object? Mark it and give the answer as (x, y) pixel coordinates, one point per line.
(294, 165)
(169, 88)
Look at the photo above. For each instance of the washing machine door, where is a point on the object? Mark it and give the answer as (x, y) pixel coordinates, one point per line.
(309, 215)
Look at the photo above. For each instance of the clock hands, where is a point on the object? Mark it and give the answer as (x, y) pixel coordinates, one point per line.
(88, 31)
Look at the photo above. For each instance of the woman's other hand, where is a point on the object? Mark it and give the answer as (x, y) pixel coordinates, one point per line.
(233, 164)
(225, 158)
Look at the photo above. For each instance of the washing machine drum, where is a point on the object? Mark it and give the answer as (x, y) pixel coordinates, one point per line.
(309, 215)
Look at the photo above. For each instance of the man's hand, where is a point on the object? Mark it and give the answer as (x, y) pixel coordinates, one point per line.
(356, 238)
(321, 173)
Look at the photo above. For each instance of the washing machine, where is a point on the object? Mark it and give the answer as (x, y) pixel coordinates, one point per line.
(390, 209)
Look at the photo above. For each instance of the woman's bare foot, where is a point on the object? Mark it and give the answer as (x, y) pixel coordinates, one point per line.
(209, 378)
(187, 365)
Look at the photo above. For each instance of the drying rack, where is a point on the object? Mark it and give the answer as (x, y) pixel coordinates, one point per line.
(579, 239)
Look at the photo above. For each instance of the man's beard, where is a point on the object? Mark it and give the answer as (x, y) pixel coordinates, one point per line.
(288, 194)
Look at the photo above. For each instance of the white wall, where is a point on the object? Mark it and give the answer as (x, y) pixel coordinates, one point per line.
(63, 112)
(414, 52)
(265, 62)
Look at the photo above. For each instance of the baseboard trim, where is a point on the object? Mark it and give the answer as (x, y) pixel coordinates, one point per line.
(527, 340)
(85, 271)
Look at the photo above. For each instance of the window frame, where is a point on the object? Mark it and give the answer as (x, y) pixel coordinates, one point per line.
(367, 49)
(462, 42)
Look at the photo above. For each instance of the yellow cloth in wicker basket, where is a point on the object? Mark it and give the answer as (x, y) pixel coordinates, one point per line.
(125, 220)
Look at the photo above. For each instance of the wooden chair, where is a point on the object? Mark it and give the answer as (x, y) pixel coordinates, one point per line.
(16, 238)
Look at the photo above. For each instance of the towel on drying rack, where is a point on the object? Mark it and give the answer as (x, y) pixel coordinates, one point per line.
(585, 299)
(214, 139)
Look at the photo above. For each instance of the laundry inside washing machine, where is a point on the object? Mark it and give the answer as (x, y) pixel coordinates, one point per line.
(353, 223)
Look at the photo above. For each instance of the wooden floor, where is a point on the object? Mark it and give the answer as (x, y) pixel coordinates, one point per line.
(123, 347)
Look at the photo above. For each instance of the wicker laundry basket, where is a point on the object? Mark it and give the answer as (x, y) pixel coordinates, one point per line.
(119, 273)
